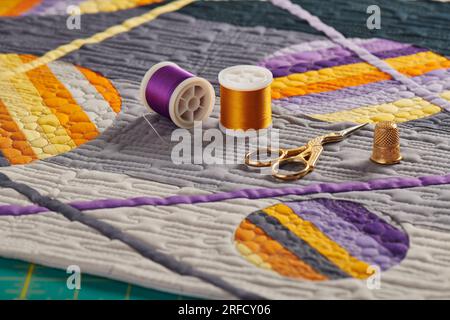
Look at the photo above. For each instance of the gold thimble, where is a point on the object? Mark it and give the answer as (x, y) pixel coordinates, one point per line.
(386, 143)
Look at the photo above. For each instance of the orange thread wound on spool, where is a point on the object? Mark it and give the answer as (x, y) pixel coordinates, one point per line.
(245, 98)
(244, 110)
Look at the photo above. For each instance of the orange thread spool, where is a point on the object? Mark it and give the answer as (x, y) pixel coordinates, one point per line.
(245, 98)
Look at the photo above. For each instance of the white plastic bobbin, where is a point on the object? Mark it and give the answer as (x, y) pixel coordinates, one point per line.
(244, 78)
(191, 101)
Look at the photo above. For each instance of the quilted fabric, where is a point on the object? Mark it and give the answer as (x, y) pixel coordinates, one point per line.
(299, 239)
(117, 206)
(11, 8)
(309, 76)
(51, 109)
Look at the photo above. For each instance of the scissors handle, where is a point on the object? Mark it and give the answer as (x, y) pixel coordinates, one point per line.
(281, 154)
(307, 159)
(307, 156)
(315, 148)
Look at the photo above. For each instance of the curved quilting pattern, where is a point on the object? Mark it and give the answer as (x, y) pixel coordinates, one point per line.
(320, 239)
(51, 109)
(347, 234)
(308, 76)
(47, 7)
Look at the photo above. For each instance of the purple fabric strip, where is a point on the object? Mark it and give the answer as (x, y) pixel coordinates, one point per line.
(346, 98)
(363, 234)
(365, 55)
(259, 193)
(161, 86)
(304, 66)
(373, 46)
(396, 241)
(370, 94)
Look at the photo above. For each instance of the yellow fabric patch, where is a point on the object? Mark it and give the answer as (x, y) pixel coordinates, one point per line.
(319, 241)
(446, 95)
(258, 248)
(399, 111)
(24, 103)
(334, 78)
(39, 117)
(59, 100)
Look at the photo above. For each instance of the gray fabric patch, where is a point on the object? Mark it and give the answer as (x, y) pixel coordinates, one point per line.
(296, 245)
(131, 147)
(145, 249)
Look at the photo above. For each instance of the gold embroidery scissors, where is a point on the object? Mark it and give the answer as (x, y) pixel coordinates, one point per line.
(305, 156)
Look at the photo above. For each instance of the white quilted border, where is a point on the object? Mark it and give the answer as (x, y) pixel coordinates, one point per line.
(198, 234)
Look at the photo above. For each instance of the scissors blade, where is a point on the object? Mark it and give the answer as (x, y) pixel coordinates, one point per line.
(346, 132)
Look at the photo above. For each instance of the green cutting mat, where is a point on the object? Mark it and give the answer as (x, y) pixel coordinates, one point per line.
(20, 280)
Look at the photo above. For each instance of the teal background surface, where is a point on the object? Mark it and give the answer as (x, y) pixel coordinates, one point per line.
(21, 280)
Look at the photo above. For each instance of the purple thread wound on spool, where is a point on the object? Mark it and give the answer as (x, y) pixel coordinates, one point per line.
(161, 86)
(177, 94)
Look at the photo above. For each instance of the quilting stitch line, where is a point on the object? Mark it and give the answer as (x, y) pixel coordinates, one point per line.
(340, 39)
(252, 194)
(74, 45)
(145, 249)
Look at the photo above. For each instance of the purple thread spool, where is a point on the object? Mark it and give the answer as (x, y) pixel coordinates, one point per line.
(177, 94)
